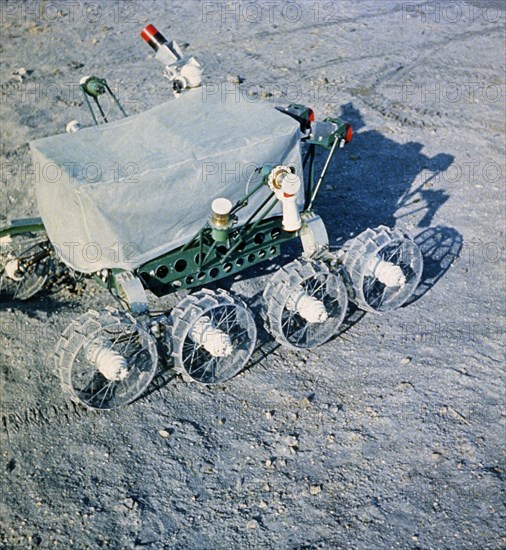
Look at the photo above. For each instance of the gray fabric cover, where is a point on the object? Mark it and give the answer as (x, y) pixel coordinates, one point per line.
(120, 194)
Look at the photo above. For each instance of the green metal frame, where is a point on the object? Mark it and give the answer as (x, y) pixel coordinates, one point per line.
(206, 261)
(334, 140)
(95, 87)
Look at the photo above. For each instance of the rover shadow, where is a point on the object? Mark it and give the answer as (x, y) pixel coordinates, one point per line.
(376, 180)
(45, 302)
(440, 247)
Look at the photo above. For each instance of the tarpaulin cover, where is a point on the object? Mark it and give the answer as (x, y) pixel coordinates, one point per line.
(122, 193)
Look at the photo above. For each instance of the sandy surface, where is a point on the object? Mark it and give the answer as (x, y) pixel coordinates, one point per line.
(389, 437)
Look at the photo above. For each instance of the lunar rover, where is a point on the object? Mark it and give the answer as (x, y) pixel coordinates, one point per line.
(177, 198)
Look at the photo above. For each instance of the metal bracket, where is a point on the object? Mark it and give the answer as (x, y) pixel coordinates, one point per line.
(130, 289)
(22, 225)
(313, 235)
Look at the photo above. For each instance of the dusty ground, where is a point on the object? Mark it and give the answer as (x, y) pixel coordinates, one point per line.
(389, 437)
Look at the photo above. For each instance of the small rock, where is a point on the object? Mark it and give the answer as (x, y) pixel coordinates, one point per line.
(268, 463)
(235, 79)
(252, 524)
(20, 74)
(164, 433)
(292, 441)
(371, 412)
(129, 503)
(315, 489)
(406, 360)
(262, 504)
(74, 65)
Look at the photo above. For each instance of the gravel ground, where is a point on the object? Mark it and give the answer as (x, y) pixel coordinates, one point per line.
(391, 436)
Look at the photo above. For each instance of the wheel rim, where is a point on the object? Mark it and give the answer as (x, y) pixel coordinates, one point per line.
(327, 289)
(107, 363)
(404, 254)
(32, 255)
(289, 321)
(229, 320)
(383, 268)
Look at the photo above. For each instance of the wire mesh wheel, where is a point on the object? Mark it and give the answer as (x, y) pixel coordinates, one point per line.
(384, 267)
(25, 265)
(106, 359)
(305, 304)
(213, 336)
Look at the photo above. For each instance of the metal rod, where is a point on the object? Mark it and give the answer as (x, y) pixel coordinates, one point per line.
(13, 230)
(100, 109)
(244, 201)
(249, 220)
(306, 156)
(241, 238)
(201, 243)
(89, 106)
(209, 252)
(191, 241)
(120, 107)
(310, 176)
(324, 172)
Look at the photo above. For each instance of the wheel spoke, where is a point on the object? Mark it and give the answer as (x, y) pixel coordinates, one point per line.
(34, 266)
(112, 335)
(325, 299)
(389, 246)
(220, 312)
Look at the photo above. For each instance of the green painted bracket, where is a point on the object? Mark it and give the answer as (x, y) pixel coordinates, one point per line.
(342, 133)
(205, 261)
(22, 225)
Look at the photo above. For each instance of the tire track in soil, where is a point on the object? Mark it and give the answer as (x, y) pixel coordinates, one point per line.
(391, 73)
(42, 415)
(70, 411)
